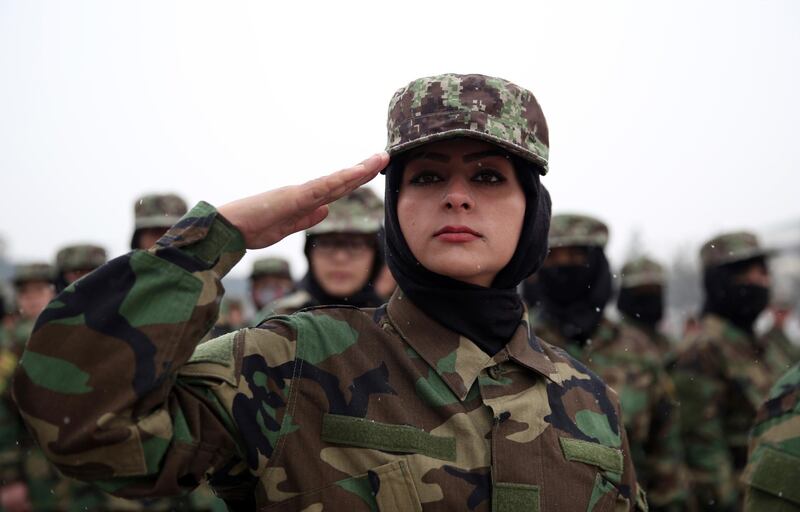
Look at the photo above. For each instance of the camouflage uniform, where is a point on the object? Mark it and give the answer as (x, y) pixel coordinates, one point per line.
(782, 346)
(271, 266)
(722, 375)
(644, 271)
(80, 257)
(360, 212)
(630, 364)
(375, 409)
(156, 211)
(773, 469)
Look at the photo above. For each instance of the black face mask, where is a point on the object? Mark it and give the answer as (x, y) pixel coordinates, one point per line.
(644, 307)
(574, 296)
(488, 316)
(737, 302)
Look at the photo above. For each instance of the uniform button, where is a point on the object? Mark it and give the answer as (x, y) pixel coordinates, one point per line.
(495, 372)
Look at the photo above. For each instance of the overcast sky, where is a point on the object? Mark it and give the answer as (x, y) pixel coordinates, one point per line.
(676, 119)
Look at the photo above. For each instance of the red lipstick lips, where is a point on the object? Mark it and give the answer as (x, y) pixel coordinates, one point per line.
(457, 234)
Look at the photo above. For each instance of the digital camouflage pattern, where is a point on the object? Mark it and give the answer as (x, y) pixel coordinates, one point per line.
(80, 257)
(722, 375)
(158, 211)
(575, 230)
(271, 266)
(773, 468)
(626, 361)
(360, 211)
(355, 409)
(642, 271)
(482, 107)
(33, 272)
(730, 248)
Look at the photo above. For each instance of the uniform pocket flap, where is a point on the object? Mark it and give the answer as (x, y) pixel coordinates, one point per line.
(776, 473)
(365, 433)
(596, 454)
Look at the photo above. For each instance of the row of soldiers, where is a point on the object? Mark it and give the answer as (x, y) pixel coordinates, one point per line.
(688, 407)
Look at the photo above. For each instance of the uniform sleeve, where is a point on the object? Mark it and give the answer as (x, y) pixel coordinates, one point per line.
(667, 480)
(701, 389)
(99, 383)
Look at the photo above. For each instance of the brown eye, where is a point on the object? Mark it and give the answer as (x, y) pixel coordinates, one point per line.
(489, 176)
(425, 178)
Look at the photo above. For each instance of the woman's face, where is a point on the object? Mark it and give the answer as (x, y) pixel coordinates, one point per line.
(342, 263)
(461, 209)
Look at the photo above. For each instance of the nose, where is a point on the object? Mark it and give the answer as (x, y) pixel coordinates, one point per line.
(457, 196)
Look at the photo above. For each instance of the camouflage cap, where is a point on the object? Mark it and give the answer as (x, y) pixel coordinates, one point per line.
(80, 257)
(158, 211)
(574, 230)
(642, 271)
(486, 108)
(271, 266)
(361, 211)
(730, 248)
(33, 272)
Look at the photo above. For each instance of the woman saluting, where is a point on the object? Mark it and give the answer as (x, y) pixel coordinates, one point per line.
(440, 400)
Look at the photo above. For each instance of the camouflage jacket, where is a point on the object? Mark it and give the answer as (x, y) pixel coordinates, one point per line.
(630, 364)
(781, 347)
(336, 407)
(773, 469)
(722, 375)
(664, 348)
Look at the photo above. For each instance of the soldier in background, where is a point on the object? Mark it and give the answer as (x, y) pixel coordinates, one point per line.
(575, 286)
(780, 310)
(641, 300)
(343, 257)
(724, 372)
(773, 467)
(153, 216)
(75, 261)
(270, 280)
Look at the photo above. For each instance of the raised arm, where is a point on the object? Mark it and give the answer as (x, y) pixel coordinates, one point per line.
(99, 384)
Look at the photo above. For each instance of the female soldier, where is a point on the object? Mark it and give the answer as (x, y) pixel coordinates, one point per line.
(442, 400)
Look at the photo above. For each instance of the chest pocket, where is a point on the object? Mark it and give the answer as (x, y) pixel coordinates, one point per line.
(605, 495)
(388, 487)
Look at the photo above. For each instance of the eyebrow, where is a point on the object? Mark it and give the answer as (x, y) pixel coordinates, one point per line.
(471, 157)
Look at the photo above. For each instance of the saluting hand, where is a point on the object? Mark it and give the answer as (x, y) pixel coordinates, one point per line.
(266, 218)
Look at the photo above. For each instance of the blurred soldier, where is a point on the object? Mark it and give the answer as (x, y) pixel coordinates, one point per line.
(772, 474)
(33, 287)
(154, 214)
(723, 372)
(75, 261)
(641, 300)
(343, 257)
(270, 280)
(780, 310)
(231, 318)
(575, 285)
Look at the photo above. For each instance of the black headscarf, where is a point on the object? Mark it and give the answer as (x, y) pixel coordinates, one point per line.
(486, 315)
(363, 298)
(574, 297)
(737, 302)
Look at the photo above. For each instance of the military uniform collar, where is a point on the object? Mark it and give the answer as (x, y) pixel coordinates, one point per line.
(455, 358)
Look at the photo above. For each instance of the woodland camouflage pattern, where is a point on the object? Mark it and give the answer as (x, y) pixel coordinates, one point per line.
(360, 211)
(355, 409)
(722, 375)
(730, 248)
(478, 106)
(642, 271)
(773, 469)
(575, 230)
(626, 360)
(33, 272)
(270, 266)
(80, 257)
